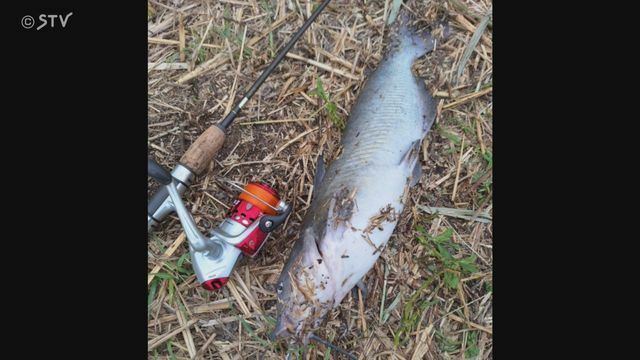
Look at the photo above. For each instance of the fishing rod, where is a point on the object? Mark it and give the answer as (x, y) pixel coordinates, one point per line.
(234, 113)
(256, 212)
(200, 154)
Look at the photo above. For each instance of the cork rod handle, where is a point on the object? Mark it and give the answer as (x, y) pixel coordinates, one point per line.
(201, 152)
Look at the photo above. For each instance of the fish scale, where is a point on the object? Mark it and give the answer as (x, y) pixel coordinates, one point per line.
(369, 147)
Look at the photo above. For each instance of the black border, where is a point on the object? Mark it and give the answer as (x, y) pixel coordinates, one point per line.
(76, 177)
(75, 130)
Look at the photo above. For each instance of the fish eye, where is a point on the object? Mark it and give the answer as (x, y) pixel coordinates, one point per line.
(279, 289)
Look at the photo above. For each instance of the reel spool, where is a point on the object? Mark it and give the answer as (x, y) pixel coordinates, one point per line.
(256, 212)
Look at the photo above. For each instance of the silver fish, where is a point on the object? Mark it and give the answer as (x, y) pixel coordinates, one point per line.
(361, 195)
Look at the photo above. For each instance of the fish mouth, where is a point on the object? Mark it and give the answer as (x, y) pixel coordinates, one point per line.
(291, 329)
(283, 328)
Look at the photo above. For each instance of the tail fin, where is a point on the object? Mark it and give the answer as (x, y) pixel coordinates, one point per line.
(416, 43)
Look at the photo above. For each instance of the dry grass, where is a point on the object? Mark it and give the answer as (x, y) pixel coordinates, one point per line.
(195, 75)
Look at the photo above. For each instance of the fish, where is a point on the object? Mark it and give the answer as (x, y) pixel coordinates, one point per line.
(360, 196)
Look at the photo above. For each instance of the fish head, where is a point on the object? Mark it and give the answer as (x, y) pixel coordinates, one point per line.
(304, 295)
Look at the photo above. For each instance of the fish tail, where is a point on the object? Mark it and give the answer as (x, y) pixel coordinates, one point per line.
(415, 42)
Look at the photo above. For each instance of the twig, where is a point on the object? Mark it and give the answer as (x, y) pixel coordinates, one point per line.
(176, 244)
(235, 77)
(161, 339)
(468, 98)
(473, 325)
(208, 65)
(323, 66)
(273, 121)
(464, 214)
(291, 142)
(205, 346)
(194, 56)
(167, 66)
(455, 183)
(182, 37)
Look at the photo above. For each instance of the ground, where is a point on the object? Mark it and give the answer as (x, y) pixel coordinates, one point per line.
(430, 294)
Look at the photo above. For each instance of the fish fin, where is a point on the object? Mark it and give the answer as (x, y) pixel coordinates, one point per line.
(418, 43)
(413, 153)
(320, 171)
(430, 111)
(363, 289)
(410, 159)
(331, 216)
(311, 250)
(416, 174)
